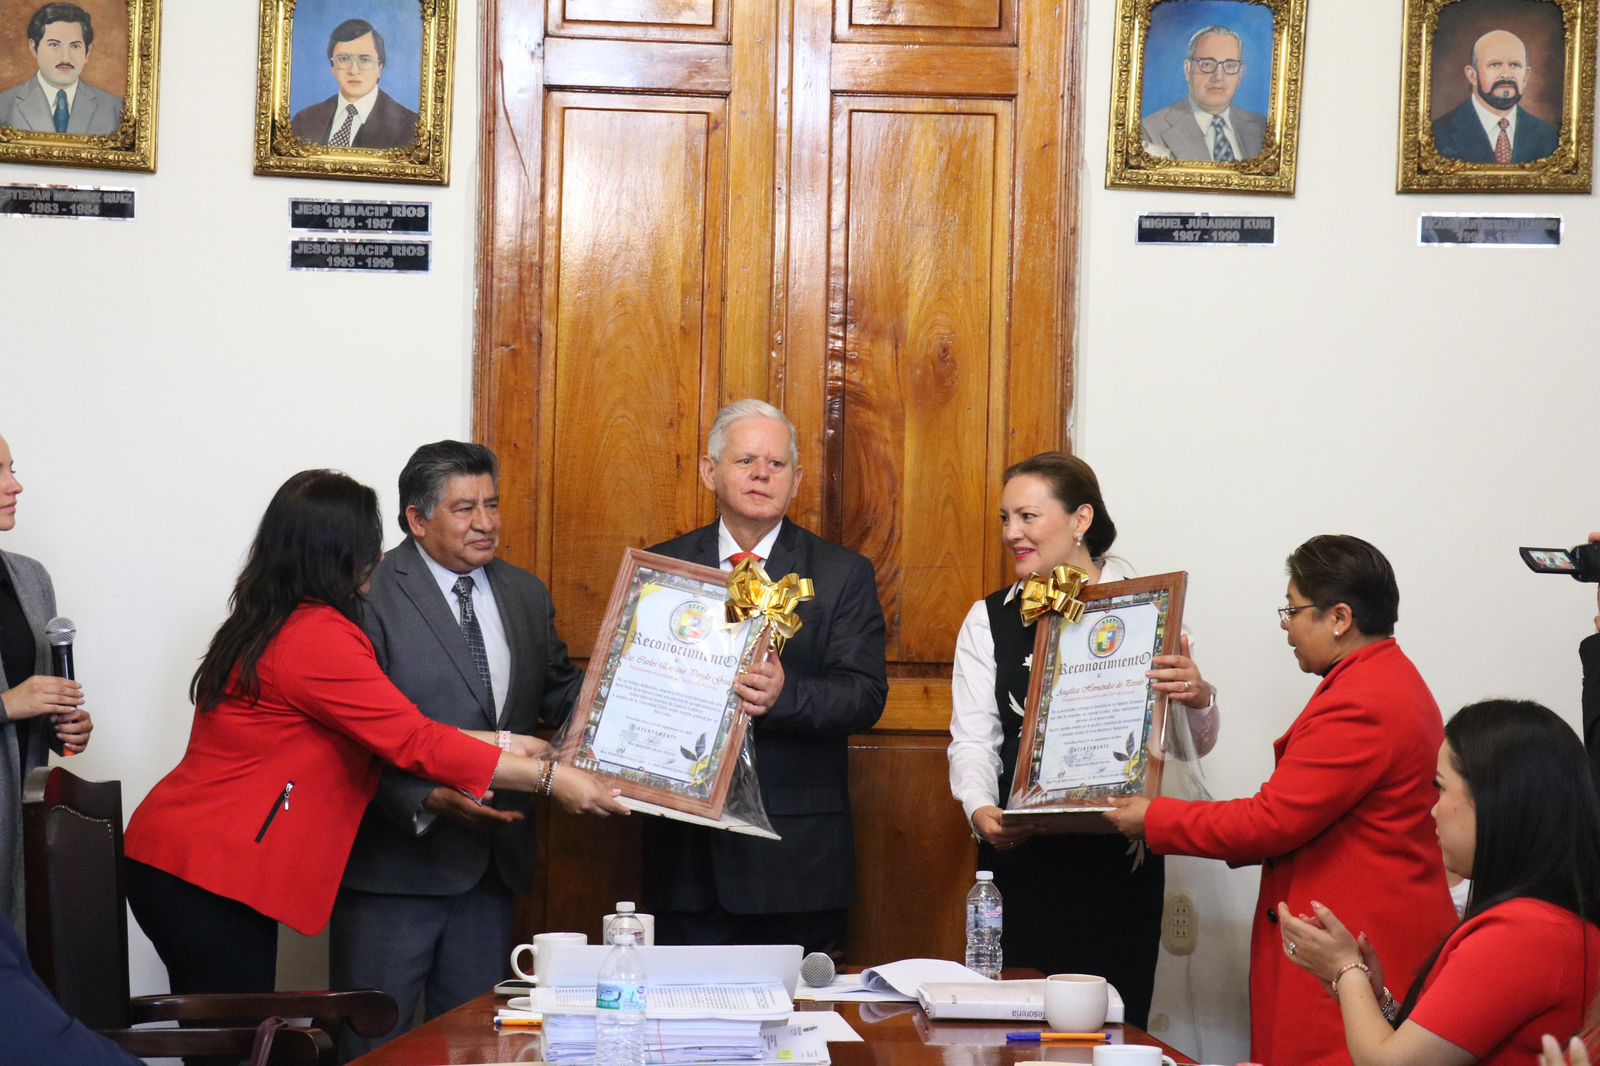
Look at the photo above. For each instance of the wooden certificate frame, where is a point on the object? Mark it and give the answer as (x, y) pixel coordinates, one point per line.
(715, 753)
(1107, 641)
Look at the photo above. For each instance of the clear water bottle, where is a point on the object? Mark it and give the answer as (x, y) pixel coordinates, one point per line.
(984, 917)
(619, 999)
(626, 917)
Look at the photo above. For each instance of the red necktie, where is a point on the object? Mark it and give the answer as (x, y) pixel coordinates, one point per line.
(1502, 144)
(738, 557)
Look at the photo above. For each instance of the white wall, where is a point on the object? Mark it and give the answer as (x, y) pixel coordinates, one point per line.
(1438, 402)
(1360, 385)
(151, 422)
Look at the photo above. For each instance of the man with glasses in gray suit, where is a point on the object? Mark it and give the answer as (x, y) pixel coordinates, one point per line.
(1205, 127)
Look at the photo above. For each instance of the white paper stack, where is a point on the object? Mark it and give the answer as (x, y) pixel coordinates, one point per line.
(570, 1038)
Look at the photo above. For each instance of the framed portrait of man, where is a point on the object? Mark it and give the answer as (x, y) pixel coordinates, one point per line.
(1206, 95)
(78, 83)
(355, 89)
(1498, 96)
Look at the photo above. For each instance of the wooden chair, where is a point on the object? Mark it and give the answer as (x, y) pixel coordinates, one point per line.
(78, 943)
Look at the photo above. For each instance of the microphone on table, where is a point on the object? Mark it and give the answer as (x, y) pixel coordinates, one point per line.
(61, 632)
(816, 969)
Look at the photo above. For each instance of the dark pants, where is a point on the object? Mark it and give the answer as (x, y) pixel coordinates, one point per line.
(812, 930)
(443, 950)
(207, 942)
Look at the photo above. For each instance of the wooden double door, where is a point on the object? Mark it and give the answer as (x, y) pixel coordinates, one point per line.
(862, 211)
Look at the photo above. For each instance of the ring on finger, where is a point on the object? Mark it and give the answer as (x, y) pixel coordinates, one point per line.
(1292, 947)
(1187, 684)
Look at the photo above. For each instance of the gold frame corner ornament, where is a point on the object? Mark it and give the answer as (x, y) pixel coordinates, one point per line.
(1570, 169)
(133, 145)
(1272, 172)
(280, 153)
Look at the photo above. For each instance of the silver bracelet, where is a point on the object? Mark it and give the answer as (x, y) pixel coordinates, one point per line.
(504, 740)
(1387, 1004)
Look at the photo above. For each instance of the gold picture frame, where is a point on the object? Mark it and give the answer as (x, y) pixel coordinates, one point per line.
(124, 52)
(295, 127)
(1552, 149)
(1152, 145)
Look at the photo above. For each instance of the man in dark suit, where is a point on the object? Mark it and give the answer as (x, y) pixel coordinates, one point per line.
(34, 1030)
(425, 909)
(1492, 126)
(711, 887)
(361, 115)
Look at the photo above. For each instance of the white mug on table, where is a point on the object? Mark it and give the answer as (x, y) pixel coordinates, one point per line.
(540, 948)
(1130, 1055)
(1075, 1002)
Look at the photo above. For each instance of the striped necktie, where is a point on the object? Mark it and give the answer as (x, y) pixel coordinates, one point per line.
(469, 629)
(1221, 150)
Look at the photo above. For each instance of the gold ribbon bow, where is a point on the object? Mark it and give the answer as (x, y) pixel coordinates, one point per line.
(1054, 592)
(751, 592)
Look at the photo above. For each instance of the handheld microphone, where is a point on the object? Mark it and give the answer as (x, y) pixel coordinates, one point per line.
(61, 632)
(816, 969)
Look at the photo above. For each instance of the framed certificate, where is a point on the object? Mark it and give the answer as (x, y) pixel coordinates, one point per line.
(1094, 727)
(657, 713)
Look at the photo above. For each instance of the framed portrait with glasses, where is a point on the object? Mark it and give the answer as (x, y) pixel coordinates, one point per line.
(355, 89)
(78, 83)
(1498, 96)
(1206, 95)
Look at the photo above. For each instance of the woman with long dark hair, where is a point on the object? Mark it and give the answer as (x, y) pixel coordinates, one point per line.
(293, 722)
(1517, 813)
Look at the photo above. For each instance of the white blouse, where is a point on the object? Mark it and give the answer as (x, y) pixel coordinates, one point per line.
(975, 730)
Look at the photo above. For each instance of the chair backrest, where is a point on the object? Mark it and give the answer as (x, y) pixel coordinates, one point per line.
(77, 917)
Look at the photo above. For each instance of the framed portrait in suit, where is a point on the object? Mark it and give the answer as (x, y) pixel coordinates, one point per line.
(355, 89)
(1498, 96)
(78, 83)
(1206, 95)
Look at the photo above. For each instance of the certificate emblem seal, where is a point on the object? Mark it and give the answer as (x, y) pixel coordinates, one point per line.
(690, 622)
(1106, 636)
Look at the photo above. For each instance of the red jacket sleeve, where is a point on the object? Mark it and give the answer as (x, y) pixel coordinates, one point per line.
(1332, 759)
(335, 678)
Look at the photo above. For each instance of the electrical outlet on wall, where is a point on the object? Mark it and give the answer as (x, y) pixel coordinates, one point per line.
(1179, 925)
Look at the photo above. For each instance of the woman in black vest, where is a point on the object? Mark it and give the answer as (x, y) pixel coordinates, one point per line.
(1081, 904)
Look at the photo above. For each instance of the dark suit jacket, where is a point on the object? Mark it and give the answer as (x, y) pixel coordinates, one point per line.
(420, 647)
(835, 684)
(1589, 653)
(1459, 135)
(390, 125)
(34, 1030)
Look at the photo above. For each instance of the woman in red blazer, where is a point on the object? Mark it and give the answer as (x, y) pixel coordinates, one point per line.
(1344, 817)
(1516, 813)
(294, 720)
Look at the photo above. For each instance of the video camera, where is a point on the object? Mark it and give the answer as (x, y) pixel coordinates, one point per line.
(1581, 563)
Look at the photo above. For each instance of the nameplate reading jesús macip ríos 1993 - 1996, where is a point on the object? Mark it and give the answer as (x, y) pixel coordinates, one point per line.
(378, 257)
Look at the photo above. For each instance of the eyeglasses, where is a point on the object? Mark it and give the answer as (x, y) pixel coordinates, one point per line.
(1209, 66)
(344, 61)
(1286, 613)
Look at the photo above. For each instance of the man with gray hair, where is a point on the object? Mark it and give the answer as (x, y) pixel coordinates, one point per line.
(1205, 127)
(709, 887)
(426, 906)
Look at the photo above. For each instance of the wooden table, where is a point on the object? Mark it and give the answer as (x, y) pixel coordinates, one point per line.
(896, 1034)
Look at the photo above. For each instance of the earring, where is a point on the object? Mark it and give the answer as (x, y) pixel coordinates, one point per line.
(1080, 540)
(1336, 634)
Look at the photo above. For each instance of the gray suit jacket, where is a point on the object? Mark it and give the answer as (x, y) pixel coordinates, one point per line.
(94, 111)
(38, 599)
(1175, 130)
(420, 647)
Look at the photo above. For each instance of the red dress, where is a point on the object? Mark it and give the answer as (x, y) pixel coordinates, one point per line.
(1344, 820)
(264, 806)
(1509, 975)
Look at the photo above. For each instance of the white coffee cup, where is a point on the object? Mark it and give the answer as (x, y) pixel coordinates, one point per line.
(1075, 1002)
(646, 920)
(1130, 1055)
(540, 948)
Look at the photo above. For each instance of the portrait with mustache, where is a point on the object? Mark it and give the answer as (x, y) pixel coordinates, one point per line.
(1492, 126)
(55, 99)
